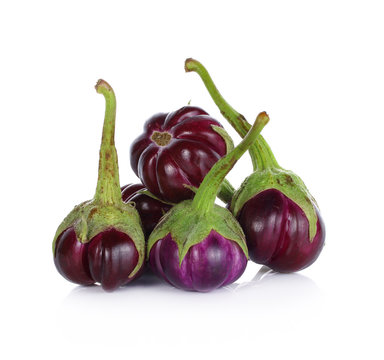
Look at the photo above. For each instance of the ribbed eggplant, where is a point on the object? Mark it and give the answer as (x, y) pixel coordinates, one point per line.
(198, 245)
(101, 240)
(280, 218)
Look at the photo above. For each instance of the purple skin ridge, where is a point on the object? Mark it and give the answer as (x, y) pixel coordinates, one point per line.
(277, 232)
(150, 209)
(108, 259)
(190, 147)
(214, 262)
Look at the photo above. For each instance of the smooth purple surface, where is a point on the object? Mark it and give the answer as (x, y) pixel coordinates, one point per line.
(213, 263)
(71, 258)
(277, 232)
(108, 259)
(150, 209)
(194, 148)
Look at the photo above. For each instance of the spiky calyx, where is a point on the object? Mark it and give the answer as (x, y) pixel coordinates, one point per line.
(197, 227)
(90, 218)
(284, 181)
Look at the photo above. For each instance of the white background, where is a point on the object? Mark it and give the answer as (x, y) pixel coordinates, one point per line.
(315, 66)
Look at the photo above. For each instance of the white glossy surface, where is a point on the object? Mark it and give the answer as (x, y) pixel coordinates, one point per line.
(315, 67)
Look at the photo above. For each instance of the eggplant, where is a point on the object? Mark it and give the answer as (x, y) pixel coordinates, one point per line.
(198, 245)
(149, 207)
(176, 151)
(101, 240)
(280, 218)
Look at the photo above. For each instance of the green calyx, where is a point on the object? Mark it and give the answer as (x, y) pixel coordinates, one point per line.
(228, 140)
(91, 218)
(106, 210)
(286, 182)
(149, 194)
(268, 173)
(202, 213)
(197, 228)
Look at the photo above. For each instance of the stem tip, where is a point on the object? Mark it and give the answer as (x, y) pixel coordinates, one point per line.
(262, 118)
(188, 65)
(102, 84)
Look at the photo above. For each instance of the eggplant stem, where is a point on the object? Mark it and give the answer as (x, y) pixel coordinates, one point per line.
(207, 192)
(108, 183)
(260, 152)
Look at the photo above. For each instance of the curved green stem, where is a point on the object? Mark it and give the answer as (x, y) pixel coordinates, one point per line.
(206, 194)
(108, 183)
(261, 154)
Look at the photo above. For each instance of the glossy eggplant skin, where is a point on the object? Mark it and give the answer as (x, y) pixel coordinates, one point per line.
(150, 209)
(277, 232)
(210, 264)
(108, 258)
(176, 149)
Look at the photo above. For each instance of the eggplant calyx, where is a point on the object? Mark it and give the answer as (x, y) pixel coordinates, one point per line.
(197, 228)
(90, 218)
(284, 181)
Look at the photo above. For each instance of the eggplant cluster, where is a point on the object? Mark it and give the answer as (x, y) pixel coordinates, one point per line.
(170, 222)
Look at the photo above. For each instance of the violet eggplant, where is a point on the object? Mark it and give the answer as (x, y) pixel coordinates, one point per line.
(101, 240)
(177, 150)
(280, 218)
(199, 245)
(150, 209)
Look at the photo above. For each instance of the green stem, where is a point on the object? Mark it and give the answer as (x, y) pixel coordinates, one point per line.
(261, 154)
(265, 151)
(226, 191)
(108, 184)
(206, 194)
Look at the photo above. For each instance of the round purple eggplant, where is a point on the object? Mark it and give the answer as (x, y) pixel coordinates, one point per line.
(280, 218)
(198, 245)
(101, 240)
(109, 258)
(277, 232)
(176, 151)
(150, 209)
(210, 264)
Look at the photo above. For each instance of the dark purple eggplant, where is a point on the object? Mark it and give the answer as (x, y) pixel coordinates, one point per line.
(101, 240)
(277, 232)
(150, 208)
(198, 245)
(280, 218)
(176, 151)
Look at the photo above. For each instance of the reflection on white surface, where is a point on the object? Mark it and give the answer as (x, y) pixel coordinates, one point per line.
(274, 281)
(266, 286)
(272, 301)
